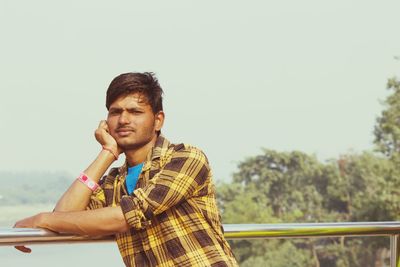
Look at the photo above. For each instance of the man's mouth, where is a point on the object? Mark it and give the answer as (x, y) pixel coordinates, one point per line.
(124, 131)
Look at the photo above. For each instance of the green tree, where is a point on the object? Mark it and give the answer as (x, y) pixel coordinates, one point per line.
(290, 181)
(276, 187)
(387, 129)
(295, 187)
(366, 189)
(284, 187)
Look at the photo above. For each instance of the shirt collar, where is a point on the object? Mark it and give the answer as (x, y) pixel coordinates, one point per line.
(159, 149)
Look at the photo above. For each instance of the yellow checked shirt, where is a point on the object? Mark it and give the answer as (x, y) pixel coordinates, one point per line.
(172, 212)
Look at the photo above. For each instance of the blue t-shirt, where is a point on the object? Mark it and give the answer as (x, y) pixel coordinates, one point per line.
(132, 177)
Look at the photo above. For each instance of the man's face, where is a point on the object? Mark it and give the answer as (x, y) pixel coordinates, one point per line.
(131, 121)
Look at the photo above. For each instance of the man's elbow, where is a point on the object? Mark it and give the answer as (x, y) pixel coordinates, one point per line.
(123, 227)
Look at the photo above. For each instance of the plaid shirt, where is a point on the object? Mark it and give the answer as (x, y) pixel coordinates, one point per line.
(172, 212)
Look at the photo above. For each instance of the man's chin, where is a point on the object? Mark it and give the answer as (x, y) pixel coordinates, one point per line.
(129, 146)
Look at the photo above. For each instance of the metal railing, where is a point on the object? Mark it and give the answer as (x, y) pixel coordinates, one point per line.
(29, 236)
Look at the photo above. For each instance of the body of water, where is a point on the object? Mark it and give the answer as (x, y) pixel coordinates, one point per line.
(61, 255)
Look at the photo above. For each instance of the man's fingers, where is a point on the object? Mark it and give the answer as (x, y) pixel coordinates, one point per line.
(102, 124)
(106, 126)
(23, 249)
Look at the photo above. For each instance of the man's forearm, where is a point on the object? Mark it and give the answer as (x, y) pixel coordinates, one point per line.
(77, 196)
(105, 221)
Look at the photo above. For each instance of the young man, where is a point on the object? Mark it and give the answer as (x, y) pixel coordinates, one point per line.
(160, 204)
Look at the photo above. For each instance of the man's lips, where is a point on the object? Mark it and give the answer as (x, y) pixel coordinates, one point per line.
(124, 131)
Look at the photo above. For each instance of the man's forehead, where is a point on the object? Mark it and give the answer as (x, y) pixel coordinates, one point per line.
(133, 99)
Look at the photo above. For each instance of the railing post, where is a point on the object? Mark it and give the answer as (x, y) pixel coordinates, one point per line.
(394, 250)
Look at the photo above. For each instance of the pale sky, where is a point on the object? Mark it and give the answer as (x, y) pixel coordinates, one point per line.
(237, 75)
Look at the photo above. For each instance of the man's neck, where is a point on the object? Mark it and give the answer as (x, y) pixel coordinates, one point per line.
(137, 156)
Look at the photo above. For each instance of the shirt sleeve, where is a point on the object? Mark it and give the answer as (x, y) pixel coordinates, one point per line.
(186, 172)
(97, 199)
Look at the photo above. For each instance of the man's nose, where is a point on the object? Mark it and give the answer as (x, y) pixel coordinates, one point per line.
(124, 118)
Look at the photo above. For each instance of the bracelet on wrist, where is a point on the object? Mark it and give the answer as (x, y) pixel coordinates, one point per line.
(83, 178)
(111, 151)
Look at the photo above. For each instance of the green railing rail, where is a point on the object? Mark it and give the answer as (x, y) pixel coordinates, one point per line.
(29, 236)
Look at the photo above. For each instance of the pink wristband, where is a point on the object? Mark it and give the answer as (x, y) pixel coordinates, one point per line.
(92, 185)
(112, 152)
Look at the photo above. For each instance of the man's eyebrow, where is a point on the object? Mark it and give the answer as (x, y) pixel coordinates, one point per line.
(114, 109)
(134, 109)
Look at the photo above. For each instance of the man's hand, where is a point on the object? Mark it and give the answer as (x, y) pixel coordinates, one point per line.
(104, 137)
(30, 222)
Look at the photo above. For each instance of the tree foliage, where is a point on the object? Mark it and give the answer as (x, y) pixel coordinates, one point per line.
(387, 129)
(285, 187)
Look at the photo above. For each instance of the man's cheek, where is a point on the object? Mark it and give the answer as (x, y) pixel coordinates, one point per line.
(112, 132)
(111, 127)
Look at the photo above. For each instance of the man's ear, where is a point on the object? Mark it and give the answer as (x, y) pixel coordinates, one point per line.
(159, 120)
